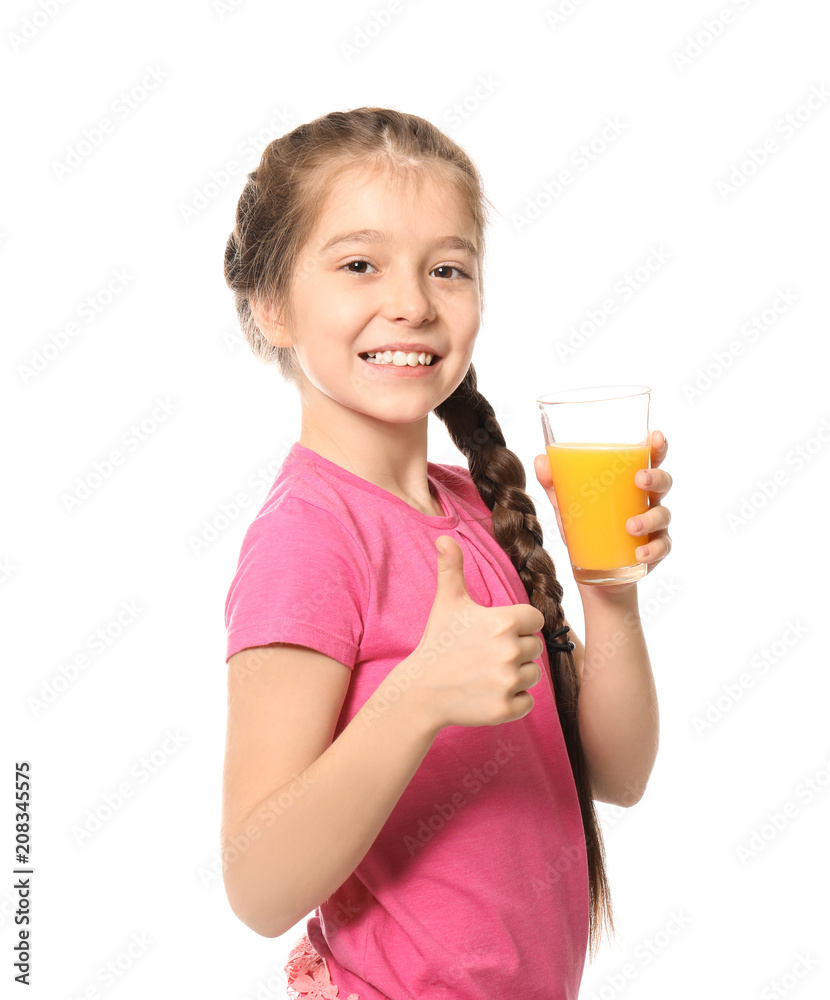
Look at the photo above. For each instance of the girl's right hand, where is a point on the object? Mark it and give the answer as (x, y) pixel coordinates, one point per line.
(474, 664)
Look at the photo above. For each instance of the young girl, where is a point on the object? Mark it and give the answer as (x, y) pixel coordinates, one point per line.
(386, 764)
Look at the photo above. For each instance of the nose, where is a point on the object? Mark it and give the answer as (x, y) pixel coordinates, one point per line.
(407, 298)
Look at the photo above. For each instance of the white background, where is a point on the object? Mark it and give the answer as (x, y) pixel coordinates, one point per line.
(711, 898)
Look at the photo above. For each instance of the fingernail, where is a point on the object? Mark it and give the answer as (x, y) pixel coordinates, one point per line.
(637, 523)
(648, 479)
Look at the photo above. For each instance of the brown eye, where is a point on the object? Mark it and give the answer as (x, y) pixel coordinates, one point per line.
(446, 268)
(357, 266)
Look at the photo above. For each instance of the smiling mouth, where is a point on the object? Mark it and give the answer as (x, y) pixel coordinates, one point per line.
(401, 359)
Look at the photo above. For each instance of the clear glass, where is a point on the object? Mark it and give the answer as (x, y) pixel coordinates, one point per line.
(596, 439)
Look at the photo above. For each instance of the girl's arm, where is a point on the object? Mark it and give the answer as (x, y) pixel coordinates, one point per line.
(301, 812)
(618, 713)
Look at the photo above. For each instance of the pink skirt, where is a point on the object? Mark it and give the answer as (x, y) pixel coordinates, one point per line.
(308, 975)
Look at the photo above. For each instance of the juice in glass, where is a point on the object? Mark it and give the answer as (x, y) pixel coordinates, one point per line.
(596, 438)
(595, 489)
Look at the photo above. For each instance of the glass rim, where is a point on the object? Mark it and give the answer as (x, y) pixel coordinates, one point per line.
(593, 394)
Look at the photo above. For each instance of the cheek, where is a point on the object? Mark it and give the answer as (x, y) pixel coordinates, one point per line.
(338, 314)
(469, 322)
(463, 310)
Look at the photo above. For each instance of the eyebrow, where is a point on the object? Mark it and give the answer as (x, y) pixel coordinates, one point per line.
(375, 236)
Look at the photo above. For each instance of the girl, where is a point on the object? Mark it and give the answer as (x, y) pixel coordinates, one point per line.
(386, 764)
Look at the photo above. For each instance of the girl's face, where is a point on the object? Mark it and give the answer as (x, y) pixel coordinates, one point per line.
(392, 266)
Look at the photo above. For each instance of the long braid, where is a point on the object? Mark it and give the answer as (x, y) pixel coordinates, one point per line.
(500, 478)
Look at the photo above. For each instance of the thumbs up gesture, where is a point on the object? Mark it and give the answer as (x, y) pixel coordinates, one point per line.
(474, 664)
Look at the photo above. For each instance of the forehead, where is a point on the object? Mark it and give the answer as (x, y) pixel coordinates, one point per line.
(407, 200)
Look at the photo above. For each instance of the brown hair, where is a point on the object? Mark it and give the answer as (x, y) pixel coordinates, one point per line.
(277, 211)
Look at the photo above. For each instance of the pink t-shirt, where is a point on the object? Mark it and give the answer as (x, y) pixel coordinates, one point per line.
(477, 884)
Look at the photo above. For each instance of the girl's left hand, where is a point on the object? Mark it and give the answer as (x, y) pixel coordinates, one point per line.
(653, 524)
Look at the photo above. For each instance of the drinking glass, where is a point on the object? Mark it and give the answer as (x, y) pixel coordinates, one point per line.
(596, 439)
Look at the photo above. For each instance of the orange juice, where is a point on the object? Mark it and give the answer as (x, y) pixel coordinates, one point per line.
(596, 494)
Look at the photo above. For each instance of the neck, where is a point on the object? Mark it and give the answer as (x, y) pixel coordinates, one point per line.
(392, 456)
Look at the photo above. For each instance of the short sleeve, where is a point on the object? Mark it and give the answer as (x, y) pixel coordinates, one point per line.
(299, 579)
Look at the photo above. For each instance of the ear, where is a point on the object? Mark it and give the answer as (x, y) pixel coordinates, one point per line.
(268, 318)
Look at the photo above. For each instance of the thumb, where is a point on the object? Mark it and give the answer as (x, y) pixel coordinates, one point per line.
(451, 583)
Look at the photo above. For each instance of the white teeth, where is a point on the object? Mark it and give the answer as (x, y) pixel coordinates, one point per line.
(400, 358)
